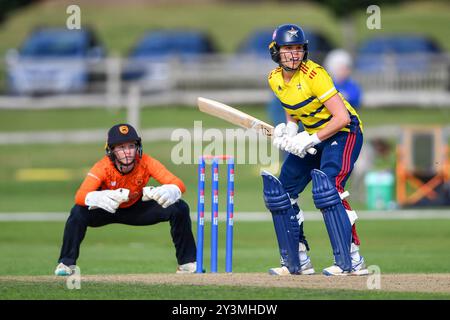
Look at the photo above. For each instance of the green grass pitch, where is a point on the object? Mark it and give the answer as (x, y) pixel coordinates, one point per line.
(32, 248)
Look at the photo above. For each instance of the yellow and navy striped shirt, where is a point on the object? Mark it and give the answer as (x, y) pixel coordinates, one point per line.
(304, 96)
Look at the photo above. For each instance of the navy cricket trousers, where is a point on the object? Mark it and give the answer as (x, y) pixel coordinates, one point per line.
(335, 156)
(139, 214)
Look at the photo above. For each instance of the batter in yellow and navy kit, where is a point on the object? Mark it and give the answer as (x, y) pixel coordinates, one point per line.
(334, 129)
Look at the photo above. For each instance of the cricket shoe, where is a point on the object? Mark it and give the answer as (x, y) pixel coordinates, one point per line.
(280, 271)
(306, 268)
(358, 269)
(63, 270)
(189, 267)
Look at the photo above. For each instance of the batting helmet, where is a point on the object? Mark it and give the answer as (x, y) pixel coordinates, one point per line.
(285, 35)
(121, 133)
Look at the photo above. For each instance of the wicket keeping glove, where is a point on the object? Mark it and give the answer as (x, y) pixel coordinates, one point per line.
(165, 195)
(108, 200)
(299, 144)
(282, 134)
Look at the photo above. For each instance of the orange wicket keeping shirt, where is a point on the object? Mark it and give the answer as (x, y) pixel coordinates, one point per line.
(104, 176)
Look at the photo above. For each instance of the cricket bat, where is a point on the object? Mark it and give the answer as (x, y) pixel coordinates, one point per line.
(237, 117)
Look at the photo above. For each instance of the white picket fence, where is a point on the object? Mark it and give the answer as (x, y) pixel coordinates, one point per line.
(228, 78)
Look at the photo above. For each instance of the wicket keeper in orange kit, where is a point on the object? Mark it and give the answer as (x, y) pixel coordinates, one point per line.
(115, 191)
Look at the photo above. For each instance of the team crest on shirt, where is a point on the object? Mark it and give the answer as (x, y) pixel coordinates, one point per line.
(299, 86)
(139, 181)
(293, 32)
(113, 183)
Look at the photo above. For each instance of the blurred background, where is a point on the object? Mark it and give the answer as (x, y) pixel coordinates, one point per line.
(146, 62)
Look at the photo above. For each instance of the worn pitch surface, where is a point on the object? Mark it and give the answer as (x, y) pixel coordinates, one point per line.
(388, 282)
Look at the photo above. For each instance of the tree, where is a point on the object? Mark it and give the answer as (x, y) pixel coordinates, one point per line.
(344, 10)
(7, 6)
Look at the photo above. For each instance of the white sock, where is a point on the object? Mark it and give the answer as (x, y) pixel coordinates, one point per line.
(302, 254)
(354, 252)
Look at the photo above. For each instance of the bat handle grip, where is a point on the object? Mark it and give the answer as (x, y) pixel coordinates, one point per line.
(312, 151)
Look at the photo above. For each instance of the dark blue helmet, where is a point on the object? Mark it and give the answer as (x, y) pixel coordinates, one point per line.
(121, 133)
(284, 35)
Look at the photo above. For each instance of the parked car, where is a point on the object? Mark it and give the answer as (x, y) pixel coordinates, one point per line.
(398, 53)
(149, 60)
(53, 60)
(257, 44)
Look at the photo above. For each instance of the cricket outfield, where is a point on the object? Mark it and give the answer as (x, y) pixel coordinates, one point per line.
(123, 262)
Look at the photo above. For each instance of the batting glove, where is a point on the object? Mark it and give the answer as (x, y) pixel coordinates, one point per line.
(108, 200)
(165, 195)
(299, 144)
(282, 133)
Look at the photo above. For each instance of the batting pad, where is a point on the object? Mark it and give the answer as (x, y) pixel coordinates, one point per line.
(284, 219)
(327, 199)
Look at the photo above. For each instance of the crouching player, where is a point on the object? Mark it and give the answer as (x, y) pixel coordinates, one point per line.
(334, 129)
(115, 191)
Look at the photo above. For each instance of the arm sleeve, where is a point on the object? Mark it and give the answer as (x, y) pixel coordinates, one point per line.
(321, 84)
(271, 79)
(272, 86)
(92, 182)
(160, 173)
